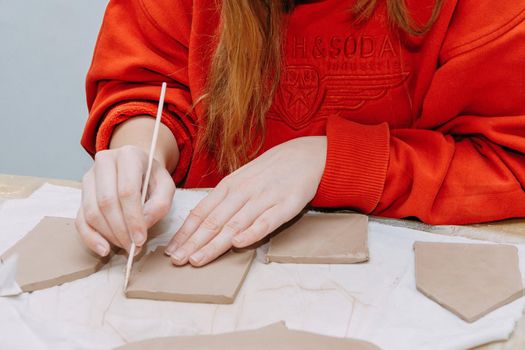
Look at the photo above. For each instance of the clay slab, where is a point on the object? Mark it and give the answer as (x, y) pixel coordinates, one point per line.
(322, 239)
(51, 254)
(155, 277)
(273, 337)
(470, 280)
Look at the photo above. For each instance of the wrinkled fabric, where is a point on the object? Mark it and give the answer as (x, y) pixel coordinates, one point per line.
(375, 301)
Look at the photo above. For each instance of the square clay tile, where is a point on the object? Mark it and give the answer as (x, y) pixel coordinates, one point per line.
(52, 253)
(155, 277)
(321, 239)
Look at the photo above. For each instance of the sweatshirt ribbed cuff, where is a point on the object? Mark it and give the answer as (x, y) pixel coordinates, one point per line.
(124, 111)
(356, 165)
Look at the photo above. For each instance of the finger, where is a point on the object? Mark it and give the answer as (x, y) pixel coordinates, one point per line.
(129, 184)
(161, 191)
(91, 212)
(266, 223)
(223, 241)
(210, 226)
(108, 201)
(196, 217)
(91, 238)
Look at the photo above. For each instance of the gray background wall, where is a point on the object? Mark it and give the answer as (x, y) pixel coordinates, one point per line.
(45, 51)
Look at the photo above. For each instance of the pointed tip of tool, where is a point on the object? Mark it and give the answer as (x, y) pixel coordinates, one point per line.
(129, 265)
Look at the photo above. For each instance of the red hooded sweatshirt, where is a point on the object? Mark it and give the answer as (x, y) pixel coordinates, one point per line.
(431, 127)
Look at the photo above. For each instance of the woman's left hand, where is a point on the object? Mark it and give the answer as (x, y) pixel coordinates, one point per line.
(251, 202)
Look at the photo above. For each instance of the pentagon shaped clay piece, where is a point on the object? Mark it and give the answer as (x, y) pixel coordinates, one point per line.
(470, 280)
(155, 277)
(52, 253)
(321, 239)
(273, 337)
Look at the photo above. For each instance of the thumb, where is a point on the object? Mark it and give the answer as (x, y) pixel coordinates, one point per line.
(161, 192)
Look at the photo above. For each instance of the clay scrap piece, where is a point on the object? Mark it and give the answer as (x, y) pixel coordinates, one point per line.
(273, 337)
(155, 277)
(52, 254)
(470, 280)
(322, 239)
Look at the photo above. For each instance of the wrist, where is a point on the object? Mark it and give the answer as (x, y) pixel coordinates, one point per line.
(137, 131)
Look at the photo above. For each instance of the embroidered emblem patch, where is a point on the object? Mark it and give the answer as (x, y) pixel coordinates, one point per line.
(302, 92)
(298, 95)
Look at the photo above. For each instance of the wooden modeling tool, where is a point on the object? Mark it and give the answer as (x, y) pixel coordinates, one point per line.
(146, 178)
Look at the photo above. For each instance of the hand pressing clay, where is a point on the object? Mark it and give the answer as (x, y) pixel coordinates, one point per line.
(322, 239)
(273, 337)
(155, 277)
(52, 254)
(470, 280)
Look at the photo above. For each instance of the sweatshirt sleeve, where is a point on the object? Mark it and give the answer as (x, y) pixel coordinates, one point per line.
(132, 57)
(464, 159)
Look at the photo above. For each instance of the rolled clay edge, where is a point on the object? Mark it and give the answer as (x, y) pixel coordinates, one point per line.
(341, 259)
(466, 318)
(279, 325)
(8, 283)
(53, 282)
(509, 245)
(510, 299)
(278, 330)
(193, 298)
(245, 273)
(359, 342)
(473, 318)
(338, 259)
(182, 298)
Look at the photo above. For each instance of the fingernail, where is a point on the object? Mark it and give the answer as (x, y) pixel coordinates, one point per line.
(238, 239)
(101, 249)
(147, 219)
(197, 257)
(137, 251)
(171, 249)
(138, 238)
(179, 256)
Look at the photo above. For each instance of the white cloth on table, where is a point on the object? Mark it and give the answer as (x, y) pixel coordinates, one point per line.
(376, 301)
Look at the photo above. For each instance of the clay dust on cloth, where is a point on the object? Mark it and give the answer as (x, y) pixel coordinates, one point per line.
(376, 301)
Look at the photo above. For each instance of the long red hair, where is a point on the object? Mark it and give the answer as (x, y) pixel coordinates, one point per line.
(246, 66)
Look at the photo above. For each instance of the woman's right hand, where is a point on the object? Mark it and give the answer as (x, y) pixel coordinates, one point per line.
(111, 211)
